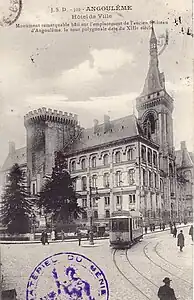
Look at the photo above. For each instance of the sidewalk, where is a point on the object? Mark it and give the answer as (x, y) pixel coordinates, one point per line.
(157, 230)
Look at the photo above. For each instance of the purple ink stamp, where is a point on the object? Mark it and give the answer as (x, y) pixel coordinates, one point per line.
(10, 11)
(67, 276)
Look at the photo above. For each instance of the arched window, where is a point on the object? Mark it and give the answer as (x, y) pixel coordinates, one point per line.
(155, 159)
(130, 154)
(83, 163)
(117, 156)
(94, 162)
(84, 183)
(118, 178)
(105, 160)
(143, 153)
(73, 165)
(144, 177)
(149, 125)
(149, 156)
(107, 213)
(95, 214)
(106, 179)
(94, 181)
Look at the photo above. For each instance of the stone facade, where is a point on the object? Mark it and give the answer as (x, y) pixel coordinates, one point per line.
(128, 163)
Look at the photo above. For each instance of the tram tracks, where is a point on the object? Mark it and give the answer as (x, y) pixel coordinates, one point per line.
(161, 267)
(123, 274)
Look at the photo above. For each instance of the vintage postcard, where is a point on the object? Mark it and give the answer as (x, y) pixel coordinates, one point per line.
(97, 152)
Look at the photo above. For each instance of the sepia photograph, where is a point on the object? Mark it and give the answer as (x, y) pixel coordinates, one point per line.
(97, 150)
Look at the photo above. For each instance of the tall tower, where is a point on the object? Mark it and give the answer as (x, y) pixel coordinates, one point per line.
(155, 107)
(47, 131)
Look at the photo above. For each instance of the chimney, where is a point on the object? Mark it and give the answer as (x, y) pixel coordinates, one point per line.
(183, 145)
(106, 123)
(95, 126)
(11, 148)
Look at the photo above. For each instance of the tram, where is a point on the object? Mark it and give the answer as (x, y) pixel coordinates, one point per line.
(126, 228)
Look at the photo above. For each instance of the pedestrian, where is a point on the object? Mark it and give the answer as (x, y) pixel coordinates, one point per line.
(53, 235)
(163, 226)
(181, 240)
(88, 234)
(174, 231)
(165, 292)
(79, 236)
(191, 232)
(153, 227)
(42, 238)
(146, 229)
(46, 237)
(171, 228)
(160, 226)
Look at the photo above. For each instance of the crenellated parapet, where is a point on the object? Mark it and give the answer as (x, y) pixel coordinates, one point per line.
(44, 114)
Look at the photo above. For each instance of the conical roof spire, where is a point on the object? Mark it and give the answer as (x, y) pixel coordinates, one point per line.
(153, 82)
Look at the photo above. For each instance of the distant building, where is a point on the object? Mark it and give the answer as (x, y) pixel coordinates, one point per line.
(130, 163)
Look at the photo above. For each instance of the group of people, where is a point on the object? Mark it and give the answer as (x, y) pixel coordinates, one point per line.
(152, 227)
(180, 237)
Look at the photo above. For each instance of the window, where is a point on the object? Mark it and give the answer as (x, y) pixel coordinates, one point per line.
(150, 178)
(95, 214)
(155, 180)
(105, 159)
(106, 179)
(84, 202)
(130, 154)
(118, 200)
(161, 186)
(84, 183)
(155, 159)
(33, 189)
(107, 213)
(94, 162)
(118, 157)
(118, 178)
(143, 153)
(131, 177)
(83, 163)
(144, 178)
(107, 200)
(84, 215)
(73, 165)
(94, 181)
(132, 199)
(149, 156)
(74, 183)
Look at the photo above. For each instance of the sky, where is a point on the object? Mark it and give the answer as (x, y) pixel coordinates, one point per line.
(91, 73)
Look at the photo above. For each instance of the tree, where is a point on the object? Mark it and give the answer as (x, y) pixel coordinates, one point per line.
(16, 206)
(58, 196)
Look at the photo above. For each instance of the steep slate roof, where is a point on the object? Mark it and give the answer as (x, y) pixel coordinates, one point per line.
(119, 129)
(18, 157)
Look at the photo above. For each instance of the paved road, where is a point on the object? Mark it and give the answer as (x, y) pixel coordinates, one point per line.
(134, 274)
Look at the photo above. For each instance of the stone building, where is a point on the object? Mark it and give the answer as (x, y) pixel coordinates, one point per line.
(128, 163)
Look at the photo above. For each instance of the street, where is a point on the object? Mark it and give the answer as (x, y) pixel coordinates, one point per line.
(134, 274)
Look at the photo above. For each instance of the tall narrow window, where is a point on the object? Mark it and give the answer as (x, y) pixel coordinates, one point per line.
(143, 153)
(118, 200)
(155, 180)
(83, 163)
(132, 199)
(130, 154)
(33, 189)
(84, 183)
(105, 159)
(150, 180)
(106, 179)
(95, 214)
(94, 162)
(131, 176)
(149, 156)
(107, 200)
(118, 178)
(107, 213)
(144, 177)
(118, 157)
(94, 181)
(73, 165)
(84, 202)
(155, 159)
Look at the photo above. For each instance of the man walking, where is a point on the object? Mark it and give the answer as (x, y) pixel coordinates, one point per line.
(174, 231)
(79, 236)
(191, 232)
(165, 292)
(181, 240)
